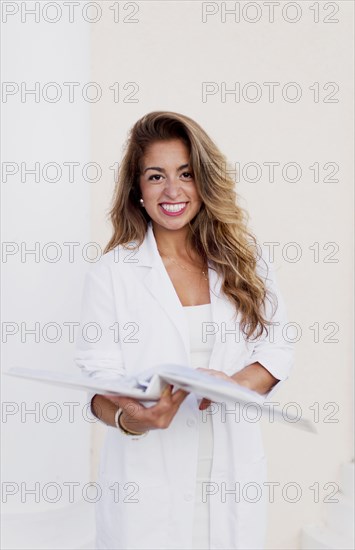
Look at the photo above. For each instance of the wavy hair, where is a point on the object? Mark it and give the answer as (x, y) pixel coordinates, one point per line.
(218, 232)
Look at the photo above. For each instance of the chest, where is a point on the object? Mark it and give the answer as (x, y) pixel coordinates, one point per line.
(191, 287)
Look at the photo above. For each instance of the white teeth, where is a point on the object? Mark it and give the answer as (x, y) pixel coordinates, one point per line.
(174, 207)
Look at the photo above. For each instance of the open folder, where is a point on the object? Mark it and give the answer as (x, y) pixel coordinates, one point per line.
(148, 386)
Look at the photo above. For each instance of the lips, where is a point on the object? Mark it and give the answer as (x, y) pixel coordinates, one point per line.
(173, 209)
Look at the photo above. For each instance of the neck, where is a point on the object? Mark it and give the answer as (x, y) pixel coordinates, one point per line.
(172, 242)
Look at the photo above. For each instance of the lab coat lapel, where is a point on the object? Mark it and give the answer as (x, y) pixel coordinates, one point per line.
(223, 311)
(158, 283)
(160, 286)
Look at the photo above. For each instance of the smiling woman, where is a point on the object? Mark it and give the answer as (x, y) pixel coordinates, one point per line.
(212, 227)
(169, 190)
(196, 265)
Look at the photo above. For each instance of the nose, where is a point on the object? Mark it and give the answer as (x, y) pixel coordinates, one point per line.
(172, 187)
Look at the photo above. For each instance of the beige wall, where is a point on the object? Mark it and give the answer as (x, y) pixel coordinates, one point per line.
(168, 53)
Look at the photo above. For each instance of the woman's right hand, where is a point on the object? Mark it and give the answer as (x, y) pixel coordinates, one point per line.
(138, 418)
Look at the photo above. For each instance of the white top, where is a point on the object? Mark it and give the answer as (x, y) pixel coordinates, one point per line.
(200, 350)
(201, 343)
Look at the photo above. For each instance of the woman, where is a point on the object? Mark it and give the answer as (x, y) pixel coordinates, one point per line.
(181, 281)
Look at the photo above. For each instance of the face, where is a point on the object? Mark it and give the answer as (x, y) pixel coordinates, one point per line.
(167, 184)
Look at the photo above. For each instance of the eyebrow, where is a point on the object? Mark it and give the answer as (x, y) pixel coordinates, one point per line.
(158, 169)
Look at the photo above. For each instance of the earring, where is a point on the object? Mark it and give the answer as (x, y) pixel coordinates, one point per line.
(141, 201)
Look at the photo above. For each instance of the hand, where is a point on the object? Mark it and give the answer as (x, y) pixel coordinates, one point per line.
(138, 418)
(218, 374)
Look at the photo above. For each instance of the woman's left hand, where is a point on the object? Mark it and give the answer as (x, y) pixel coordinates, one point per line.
(218, 374)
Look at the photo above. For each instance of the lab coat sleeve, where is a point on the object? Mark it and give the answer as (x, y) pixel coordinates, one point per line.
(275, 350)
(97, 350)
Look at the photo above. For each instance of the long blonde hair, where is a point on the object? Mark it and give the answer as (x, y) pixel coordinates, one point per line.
(218, 232)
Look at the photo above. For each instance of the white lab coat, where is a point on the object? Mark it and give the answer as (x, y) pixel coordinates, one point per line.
(151, 500)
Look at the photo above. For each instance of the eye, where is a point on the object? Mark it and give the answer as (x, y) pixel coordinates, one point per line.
(152, 178)
(187, 175)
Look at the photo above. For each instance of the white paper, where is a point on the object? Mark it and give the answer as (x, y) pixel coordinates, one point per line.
(149, 384)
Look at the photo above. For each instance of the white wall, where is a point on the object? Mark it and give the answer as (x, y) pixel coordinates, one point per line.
(168, 53)
(38, 453)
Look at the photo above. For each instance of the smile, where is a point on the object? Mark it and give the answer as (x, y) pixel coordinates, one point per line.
(173, 209)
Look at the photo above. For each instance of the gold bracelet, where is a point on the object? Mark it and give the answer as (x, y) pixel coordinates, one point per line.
(122, 428)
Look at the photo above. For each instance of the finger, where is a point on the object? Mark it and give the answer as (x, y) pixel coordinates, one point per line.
(169, 401)
(167, 390)
(179, 396)
(166, 393)
(204, 404)
(165, 397)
